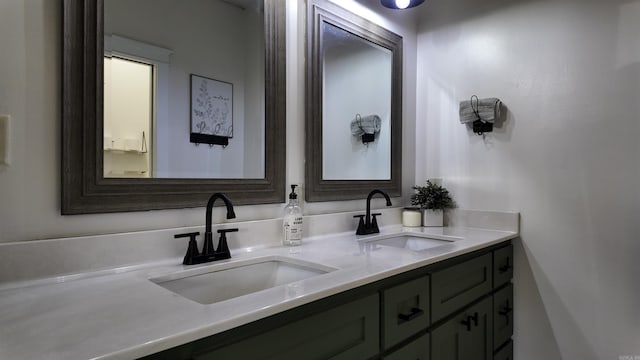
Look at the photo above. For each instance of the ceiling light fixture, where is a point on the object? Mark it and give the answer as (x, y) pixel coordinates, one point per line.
(400, 4)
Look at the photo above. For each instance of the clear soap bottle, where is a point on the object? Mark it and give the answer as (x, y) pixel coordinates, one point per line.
(292, 221)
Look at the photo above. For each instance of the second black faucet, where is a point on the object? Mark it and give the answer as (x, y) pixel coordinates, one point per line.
(369, 225)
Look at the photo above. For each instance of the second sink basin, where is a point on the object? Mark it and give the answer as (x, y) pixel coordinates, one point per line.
(414, 241)
(221, 282)
(410, 242)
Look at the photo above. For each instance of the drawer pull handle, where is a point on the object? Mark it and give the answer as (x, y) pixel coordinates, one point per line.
(506, 310)
(503, 269)
(469, 320)
(415, 312)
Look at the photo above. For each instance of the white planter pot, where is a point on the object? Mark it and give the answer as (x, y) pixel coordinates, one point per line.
(432, 217)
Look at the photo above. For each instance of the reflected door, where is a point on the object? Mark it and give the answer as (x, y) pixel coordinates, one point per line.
(128, 118)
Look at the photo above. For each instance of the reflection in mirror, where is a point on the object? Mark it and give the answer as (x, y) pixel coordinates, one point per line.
(150, 106)
(251, 169)
(128, 98)
(354, 105)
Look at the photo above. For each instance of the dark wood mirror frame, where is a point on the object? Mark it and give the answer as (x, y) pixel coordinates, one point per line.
(319, 11)
(84, 188)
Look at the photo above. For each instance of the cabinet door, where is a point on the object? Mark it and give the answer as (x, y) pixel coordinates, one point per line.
(347, 332)
(466, 336)
(506, 353)
(405, 310)
(502, 265)
(502, 316)
(456, 286)
(416, 350)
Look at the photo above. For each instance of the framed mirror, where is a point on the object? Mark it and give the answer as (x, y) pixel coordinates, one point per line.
(212, 113)
(353, 105)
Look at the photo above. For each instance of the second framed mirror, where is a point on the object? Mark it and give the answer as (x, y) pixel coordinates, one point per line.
(353, 105)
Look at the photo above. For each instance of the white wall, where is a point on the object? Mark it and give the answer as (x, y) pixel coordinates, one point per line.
(201, 48)
(567, 157)
(30, 91)
(354, 83)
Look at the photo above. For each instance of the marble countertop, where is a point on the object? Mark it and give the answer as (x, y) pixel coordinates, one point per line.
(121, 314)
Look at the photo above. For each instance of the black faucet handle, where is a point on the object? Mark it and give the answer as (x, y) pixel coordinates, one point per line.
(361, 227)
(192, 249)
(222, 252)
(374, 223)
(222, 232)
(191, 235)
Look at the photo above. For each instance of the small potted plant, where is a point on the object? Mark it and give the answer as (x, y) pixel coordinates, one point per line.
(433, 199)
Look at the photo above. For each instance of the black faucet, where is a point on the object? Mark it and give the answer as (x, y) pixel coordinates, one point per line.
(207, 248)
(369, 225)
(193, 256)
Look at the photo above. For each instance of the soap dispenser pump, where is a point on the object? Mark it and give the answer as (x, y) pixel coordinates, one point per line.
(292, 220)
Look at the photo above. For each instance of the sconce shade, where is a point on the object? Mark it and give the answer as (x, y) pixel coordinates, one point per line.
(398, 4)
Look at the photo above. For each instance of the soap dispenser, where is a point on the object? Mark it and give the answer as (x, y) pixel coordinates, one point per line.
(292, 221)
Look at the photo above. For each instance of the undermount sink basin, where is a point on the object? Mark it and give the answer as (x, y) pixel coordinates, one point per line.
(226, 281)
(412, 242)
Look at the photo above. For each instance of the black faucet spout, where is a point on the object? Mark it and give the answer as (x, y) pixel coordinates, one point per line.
(230, 212)
(207, 248)
(370, 225)
(371, 194)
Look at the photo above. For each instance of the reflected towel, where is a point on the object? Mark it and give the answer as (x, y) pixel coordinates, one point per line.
(365, 125)
(488, 110)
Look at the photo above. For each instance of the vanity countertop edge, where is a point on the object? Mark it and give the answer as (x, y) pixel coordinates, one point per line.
(122, 314)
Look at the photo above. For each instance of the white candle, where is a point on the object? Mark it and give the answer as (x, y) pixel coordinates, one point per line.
(411, 217)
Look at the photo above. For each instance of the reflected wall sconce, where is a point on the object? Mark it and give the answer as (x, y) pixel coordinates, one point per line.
(400, 4)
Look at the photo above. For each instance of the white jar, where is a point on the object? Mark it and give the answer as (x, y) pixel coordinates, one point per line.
(411, 217)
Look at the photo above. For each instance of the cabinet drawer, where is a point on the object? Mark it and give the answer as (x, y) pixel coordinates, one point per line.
(416, 350)
(502, 265)
(405, 310)
(506, 353)
(502, 316)
(456, 286)
(350, 331)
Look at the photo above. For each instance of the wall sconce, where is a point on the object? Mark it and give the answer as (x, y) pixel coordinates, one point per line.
(400, 4)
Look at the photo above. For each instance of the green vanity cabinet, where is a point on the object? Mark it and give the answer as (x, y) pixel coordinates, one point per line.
(472, 307)
(457, 309)
(456, 286)
(405, 309)
(503, 307)
(347, 332)
(506, 353)
(465, 336)
(502, 265)
(502, 316)
(415, 350)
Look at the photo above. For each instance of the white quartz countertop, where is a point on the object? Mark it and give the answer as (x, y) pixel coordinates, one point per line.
(121, 314)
